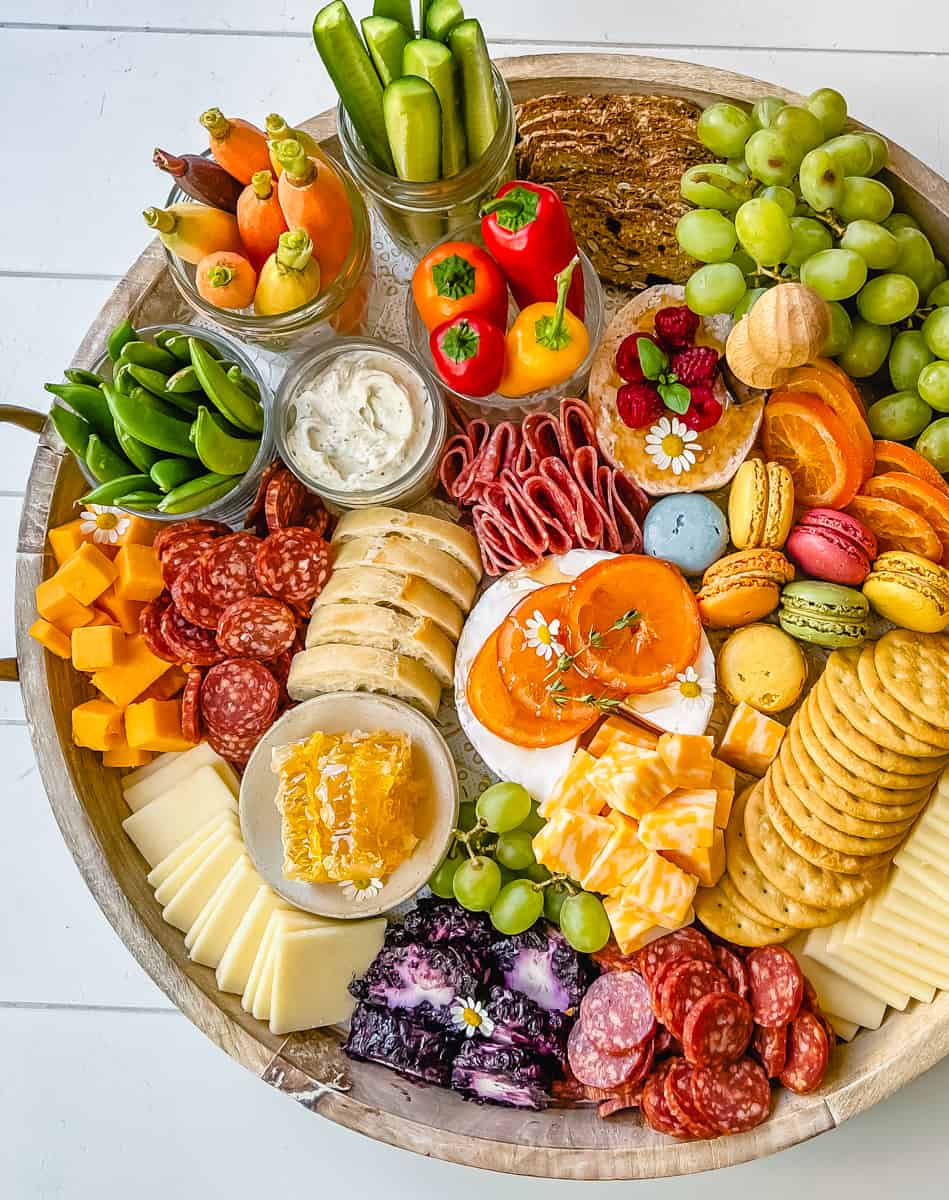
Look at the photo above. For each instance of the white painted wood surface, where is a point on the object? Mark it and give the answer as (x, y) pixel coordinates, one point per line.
(104, 1072)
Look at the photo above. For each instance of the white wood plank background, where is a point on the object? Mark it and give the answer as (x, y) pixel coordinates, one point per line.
(111, 1090)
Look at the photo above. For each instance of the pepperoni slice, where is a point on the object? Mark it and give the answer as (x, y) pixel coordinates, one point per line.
(293, 564)
(656, 1111)
(239, 697)
(180, 554)
(623, 1098)
(254, 515)
(807, 1056)
(611, 958)
(196, 526)
(284, 500)
(680, 1102)
(732, 1098)
(192, 597)
(682, 985)
(149, 626)
(236, 748)
(728, 962)
(229, 570)
(682, 943)
(777, 985)
(256, 627)
(187, 641)
(190, 709)
(666, 1044)
(616, 1012)
(771, 1046)
(598, 1069)
(717, 1029)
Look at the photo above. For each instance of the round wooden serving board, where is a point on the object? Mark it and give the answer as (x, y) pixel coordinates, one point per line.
(87, 802)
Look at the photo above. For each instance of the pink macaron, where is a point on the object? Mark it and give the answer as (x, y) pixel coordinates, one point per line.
(831, 545)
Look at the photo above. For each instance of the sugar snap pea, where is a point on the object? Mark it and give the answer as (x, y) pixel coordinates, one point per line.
(183, 380)
(103, 461)
(136, 452)
(186, 402)
(120, 337)
(219, 450)
(89, 403)
(239, 408)
(152, 403)
(73, 430)
(147, 377)
(145, 500)
(147, 354)
(155, 429)
(123, 381)
(198, 493)
(244, 382)
(81, 375)
(169, 473)
(107, 493)
(178, 344)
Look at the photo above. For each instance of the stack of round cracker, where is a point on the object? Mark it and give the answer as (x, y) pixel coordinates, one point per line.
(814, 837)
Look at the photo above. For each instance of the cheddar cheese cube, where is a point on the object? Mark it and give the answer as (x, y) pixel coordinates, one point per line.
(139, 573)
(123, 755)
(95, 646)
(630, 924)
(706, 863)
(685, 820)
(619, 859)
(570, 841)
(169, 685)
(120, 609)
(65, 540)
(97, 724)
(752, 740)
(661, 888)
(632, 779)
(574, 790)
(135, 531)
(100, 618)
(627, 731)
(138, 670)
(688, 757)
(55, 641)
(155, 725)
(723, 781)
(58, 607)
(87, 574)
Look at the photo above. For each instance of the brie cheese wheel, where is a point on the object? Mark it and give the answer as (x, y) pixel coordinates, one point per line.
(685, 705)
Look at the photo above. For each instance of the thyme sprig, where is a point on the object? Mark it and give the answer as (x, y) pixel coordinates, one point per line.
(556, 687)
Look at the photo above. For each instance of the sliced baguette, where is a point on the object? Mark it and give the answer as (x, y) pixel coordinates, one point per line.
(336, 667)
(432, 531)
(411, 558)
(385, 629)
(404, 593)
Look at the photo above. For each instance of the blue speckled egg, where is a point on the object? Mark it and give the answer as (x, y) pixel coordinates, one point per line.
(688, 530)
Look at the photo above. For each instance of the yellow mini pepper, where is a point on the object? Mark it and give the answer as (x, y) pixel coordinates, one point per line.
(546, 344)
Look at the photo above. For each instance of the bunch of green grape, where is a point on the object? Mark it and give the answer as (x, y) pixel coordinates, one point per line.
(491, 868)
(797, 198)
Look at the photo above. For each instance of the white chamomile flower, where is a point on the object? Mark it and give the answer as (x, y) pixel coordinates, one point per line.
(542, 636)
(688, 693)
(670, 443)
(105, 524)
(693, 688)
(361, 890)
(470, 1016)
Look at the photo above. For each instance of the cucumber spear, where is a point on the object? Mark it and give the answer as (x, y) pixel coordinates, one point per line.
(435, 63)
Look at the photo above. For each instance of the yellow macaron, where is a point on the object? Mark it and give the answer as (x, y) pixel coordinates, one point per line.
(760, 505)
(780, 511)
(910, 591)
(762, 666)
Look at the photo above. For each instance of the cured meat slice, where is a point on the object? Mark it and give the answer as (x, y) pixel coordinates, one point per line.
(576, 423)
(190, 709)
(680, 1102)
(254, 515)
(626, 503)
(228, 568)
(149, 626)
(656, 1111)
(293, 564)
(777, 985)
(499, 453)
(771, 1046)
(734, 969)
(682, 943)
(616, 1012)
(623, 1098)
(239, 698)
(717, 1029)
(236, 748)
(194, 527)
(188, 642)
(682, 986)
(181, 554)
(256, 627)
(579, 512)
(598, 1069)
(284, 500)
(611, 958)
(808, 1052)
(192, 597)
(542, 438)
(732, 1098)
(666, 1044)
(460, 461)
(501, 548)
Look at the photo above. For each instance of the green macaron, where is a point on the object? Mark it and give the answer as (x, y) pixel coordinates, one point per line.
(826, 614)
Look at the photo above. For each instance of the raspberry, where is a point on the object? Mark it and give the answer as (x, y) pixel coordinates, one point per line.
(639, 404)
(627, 357)
(704, 410)
(677, 326)
(695, 365)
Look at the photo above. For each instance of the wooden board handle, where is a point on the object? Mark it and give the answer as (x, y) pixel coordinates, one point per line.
(25, 418)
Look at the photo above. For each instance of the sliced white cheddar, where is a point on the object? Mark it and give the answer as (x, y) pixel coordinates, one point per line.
(166, 822)
(840, 995)
(158, 763)
(931, 846)
(215, 828)
(847, 1030)
(816, 948)
(889, 917)
(935, 820)
(905, 953)
(312, 971)
(174, 881)
(223, 913)
(924, 873)
(183, 908)
(916, 902)
(844, 941)
(151, 787)
(262, 960)
(237, 961)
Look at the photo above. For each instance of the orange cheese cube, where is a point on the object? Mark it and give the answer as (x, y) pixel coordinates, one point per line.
(619, 859)
(139, 573)
(618, 727)
(95, 646)
(169, 685)
(138, 670)
(55, 641)
(101, 619)
(630, 924)
(97, 724)
(574, 790)
(570, 841)
(155, 725)
(685, 820)
(124, 756)
(706, 863)
(65, 540)
(58, 607)
(137, 531)
(632, 779)
(659, 887)
(87, 574)
(688, 757)
(723, 781)
(120, 609)
(752, 740)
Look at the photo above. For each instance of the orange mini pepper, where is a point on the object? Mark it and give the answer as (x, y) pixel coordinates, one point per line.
(546, 344)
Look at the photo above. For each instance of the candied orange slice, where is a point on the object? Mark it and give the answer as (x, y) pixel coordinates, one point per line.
(894, 456)
(806, 436)
(896, 527)
(922, 497)
(836, 389)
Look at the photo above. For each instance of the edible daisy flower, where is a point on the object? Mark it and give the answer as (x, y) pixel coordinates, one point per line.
(542, 636)
(105, 524)
(688, 691)
(471, 1017)
(670, 443)
(361, 890)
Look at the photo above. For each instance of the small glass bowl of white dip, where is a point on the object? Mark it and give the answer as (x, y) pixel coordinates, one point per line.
(360, 422)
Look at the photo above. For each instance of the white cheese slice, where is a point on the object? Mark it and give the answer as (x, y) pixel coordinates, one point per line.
(924, 872)
(816, 948)
(669, 710)
(143, 792)
(238, 959)
(166, 822)
(223, 913)
(938, 822)
(905, 953)
(847, 1030)
(293, 918)
(183, 908)
(158, 763)
(839, 995)
(930, 845)
(911, 900)
(889, 918)
(172, 884)
(313, 969)
(846, 942)
(213, 831)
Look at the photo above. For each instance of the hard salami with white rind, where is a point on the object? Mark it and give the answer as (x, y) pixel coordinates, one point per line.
(683, 943)
(682, 986)
(678, 1094)
(239, 698)
(598, 1069)
(256, 627)
(192, 596)
(732, 1098)
(187, 641)
(228, 568)
(777, 985)
(293, 564)
(771, 1046)
(655, 1107)
(728, 961)
(717, 1029)
(616, 1012)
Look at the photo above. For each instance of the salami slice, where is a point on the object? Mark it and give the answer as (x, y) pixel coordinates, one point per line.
(777, 985)
(317, 519)
(254, 515)
(656, 1110)
(229, 569)
(682, 985)
(293, 564)
(236, 748)
(179, 555)
(666, 1044)
(611, 958)
(807, 1056)
(239, 697)
(192, 597)
(257, 627)
(620, 1100)
(284, 500)
(732, 966)
(188, 642)
(194, 527)
(149, 626)
(616, 1012)
(683, 943)
(771, 1046)
(680, 1102)
(717, 1029)
(732, 1098)
(598, 1069)
(190, 709)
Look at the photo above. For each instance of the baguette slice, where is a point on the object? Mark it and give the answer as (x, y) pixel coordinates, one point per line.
(336, 667)
(411, 558)
(404, 593)
(432, 531)
(384, 629)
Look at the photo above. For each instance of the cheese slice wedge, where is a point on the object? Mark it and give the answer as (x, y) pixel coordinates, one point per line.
(914, 902)
(924, 873)
(838, 994)
(175, 881)
(158, 763)
(237, 961)
(213, 831)
(816, 947)
(262, 970)
(165, 823)
(847, 1030)
(183, 908)
(149, 788)
(844, 940)
(223, 913)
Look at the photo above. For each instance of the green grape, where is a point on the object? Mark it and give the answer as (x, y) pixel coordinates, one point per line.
(504, 806)
(933, 444)
(782, 196)
(724, 128)
(517, 907)
(887, 299)
(764, 231)
(834, 274)
(821, 180)
(772, 157)
(477, 883)
(915, 257)
(443, 877)
(714, 185)
(864, 199)
(879, 150)
(467, 815)
(507, 875)
(867, 349)
(852, 152)
(765, 110)
(800, 125)
(936, 331)
(738, 164)
(935, 277)
(875, 245)
(908, 355)
(900, 220)
(747, 302)
(705, 234)
(715, 288)
(939, 296)
(533, 822)
(584, 923)
(554, 897)
(514, 850)
(899, 417)
(840, 330)
(933, 385)
(830, 108)
(744, 262)
(536, 873)
(808, 236)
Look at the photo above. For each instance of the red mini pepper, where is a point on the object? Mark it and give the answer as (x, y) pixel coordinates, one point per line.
(468, 352)
(527, 229)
